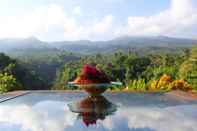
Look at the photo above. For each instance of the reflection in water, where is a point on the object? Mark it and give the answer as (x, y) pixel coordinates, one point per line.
(54, 114)
(91, 109)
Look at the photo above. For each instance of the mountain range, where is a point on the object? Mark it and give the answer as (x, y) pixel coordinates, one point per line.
(86, 46)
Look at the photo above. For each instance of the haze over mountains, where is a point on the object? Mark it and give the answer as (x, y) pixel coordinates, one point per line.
(86, 46)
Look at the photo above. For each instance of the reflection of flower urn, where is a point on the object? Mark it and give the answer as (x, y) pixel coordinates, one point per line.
(92, 109)
(92, 80)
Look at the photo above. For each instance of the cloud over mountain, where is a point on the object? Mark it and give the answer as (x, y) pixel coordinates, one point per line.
(53, 22)
(180, 16)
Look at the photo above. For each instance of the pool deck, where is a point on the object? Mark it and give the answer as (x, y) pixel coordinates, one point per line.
(186, 96)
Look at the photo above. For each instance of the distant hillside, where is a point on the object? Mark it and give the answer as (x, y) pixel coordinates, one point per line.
(87, 47)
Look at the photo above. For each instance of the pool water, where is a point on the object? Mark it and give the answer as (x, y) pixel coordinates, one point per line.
(61, 111)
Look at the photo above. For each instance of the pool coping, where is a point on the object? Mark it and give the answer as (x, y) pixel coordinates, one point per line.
(187, 96)
(11, 95)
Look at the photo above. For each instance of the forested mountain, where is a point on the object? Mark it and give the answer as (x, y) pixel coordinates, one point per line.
(88, 47)
(137, 62)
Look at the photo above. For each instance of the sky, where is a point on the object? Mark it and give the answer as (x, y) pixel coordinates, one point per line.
(57, 20)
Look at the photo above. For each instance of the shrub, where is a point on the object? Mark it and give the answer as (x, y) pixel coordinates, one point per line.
(166, 83)
(8, 83)
(188, 70)
(138, 85)
(181, 85)
(161, 84)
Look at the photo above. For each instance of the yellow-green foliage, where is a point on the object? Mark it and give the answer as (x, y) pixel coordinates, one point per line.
(188, 70)
(161, 84)
(166, 83)
(7, 82)
(137, 85)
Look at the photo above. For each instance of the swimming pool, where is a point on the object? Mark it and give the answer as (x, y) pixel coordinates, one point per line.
(49, 111)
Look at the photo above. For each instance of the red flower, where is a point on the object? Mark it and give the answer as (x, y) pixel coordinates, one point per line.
(90, 74)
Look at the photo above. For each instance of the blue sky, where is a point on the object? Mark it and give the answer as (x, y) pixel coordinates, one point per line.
(54, 20)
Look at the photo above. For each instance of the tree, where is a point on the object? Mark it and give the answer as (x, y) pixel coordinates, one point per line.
(8, 83)
(188, 69)
(68, 73)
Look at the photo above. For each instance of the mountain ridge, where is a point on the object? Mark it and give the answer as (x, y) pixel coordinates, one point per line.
(87, 46)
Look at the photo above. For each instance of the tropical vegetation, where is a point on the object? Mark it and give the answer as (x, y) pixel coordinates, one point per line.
(53, 69)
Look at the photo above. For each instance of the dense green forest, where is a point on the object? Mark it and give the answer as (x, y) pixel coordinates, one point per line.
(52, 69)
(31, 69)
(44, 62)
(157, 71)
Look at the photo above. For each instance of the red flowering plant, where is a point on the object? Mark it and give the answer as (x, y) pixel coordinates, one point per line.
(90, 74)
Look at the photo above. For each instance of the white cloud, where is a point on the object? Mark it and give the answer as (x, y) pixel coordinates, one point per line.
(55, 116)
(51, 22)
(96, 29)
(30, 24)
(179, 16)
(104, 25)
(77, 10)
(37, 118)
(42, 22)
(156, 119)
